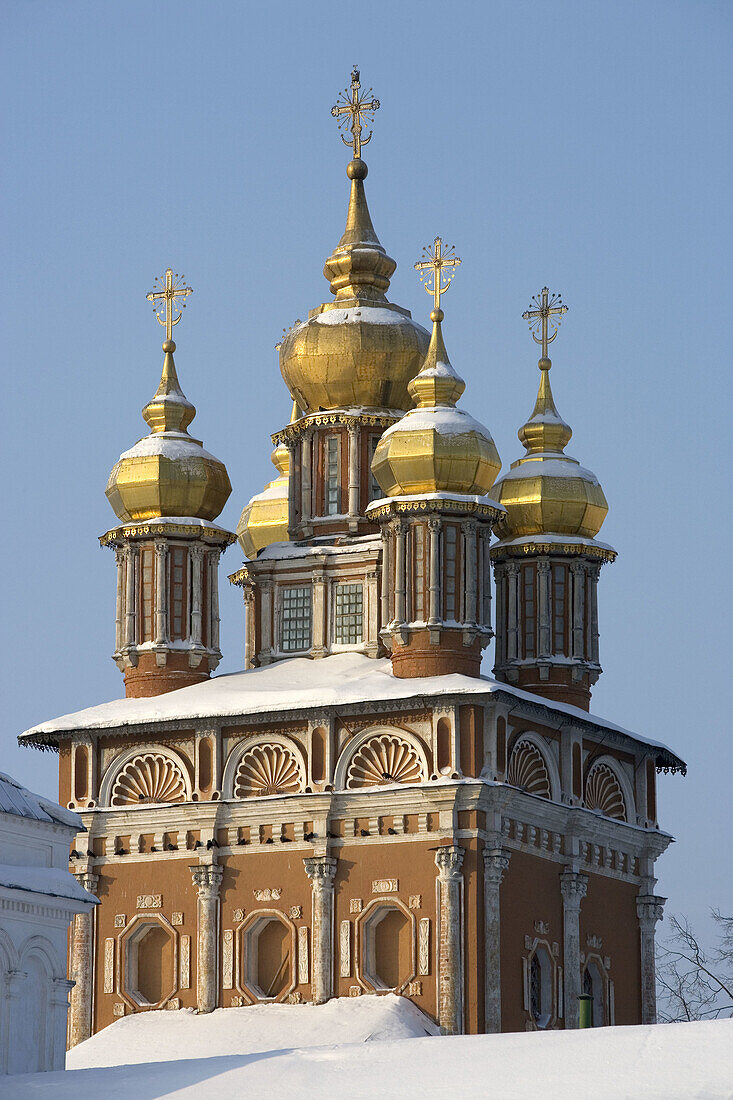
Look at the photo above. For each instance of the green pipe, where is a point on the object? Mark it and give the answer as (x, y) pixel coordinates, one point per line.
(585, 1010)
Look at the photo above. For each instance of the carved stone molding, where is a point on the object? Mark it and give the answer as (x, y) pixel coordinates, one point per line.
(207, 879)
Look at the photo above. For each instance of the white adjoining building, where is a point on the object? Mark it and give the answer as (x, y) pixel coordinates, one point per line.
(38, 901)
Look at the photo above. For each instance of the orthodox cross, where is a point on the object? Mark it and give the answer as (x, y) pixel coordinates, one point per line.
(435, 279)
(548, 306)
(169, 300)
(349, 111)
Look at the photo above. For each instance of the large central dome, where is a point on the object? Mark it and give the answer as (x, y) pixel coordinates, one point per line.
(360, 349)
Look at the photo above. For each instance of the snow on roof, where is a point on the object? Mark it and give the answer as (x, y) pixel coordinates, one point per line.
(349, 1047)
(341, 680)
(19, 801)
(53, 882)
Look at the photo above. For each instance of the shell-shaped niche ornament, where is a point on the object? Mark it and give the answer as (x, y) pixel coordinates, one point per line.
(603, 793)
(528, 771)
(384, 759)
(148, 778)
(268, 769)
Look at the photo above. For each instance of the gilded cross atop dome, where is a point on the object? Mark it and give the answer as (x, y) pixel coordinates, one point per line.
(350, 108)
(545, 318)
(438, 269)
(169, 300)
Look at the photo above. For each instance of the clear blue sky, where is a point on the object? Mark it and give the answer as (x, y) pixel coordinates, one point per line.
(582, 145)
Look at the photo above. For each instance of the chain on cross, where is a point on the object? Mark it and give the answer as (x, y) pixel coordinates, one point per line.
(546, 315)
(350, 109)
(169, 300)
(436, 269)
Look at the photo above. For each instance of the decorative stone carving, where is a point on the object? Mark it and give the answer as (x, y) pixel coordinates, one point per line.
(109, 966)
(184, 963)
(268, 895)
(594, 942)
(355, 991)
(345, 949)
(384, 759)
(541, 927)
(150, 777)
(173, 1004)
(356, 905)
(385, 886)
(528, 771)
(414, 989)
(118, 1009)
(295, 998)
(295, 912)
(423, 946)
(414, 901)
(236, 1002)
(267, 769)
(120, 920)
(303, 961)
(603, 793)
(177, 918)
(149, 901)
(238, 915)
(227, 959)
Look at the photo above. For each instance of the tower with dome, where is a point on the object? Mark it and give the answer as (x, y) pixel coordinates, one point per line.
(361, 810)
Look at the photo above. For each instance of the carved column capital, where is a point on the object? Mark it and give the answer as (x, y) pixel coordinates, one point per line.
(207, 879)
(512, 568)
(320, 869)
(496, 862)
(574, 887)
(196, 551)
(649, 909)
(433, 523)
(87, 880)
(449, 861)
(543, 566)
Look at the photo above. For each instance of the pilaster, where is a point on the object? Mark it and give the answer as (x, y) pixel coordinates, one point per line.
(496, 862)
(321, 871)
(573, 886)
(649, 909)
(82, 965)
(207, 880)
(449, 861)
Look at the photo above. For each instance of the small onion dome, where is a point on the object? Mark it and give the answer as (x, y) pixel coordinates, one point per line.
(360, 349)
(435, 447)
(265, 519)
(168, 473)
(547, 491)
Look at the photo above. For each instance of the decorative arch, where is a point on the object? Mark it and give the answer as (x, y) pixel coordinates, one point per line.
(608, 791)
(145, 774)
(381, 756)
(264, 765)
(38, 947)
(8, 953)
(533, 768)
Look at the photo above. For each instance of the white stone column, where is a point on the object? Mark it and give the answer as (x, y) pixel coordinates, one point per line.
(400, 578)
(82, 966)
(500, 650)
(485, 576)
(318, 640)
(131, 554)
(449, 860)
(512, 572)
(354, 475)
(543, 608)
(649, 909)
(435, 616)
(197, 578)
(120, 598)
(292, 489)
(250, 640)
(58, 1005)
(161, 593)
(306, 507)
(213, 571)
(593, 572)
(386, 576)
(469, 537)
(371, 614)
(573, 885)
(577, 574)
(496, 861)
(207, 880)
(267, 617)
(321, 871)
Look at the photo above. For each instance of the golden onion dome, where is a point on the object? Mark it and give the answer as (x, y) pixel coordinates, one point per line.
(435, 447)
(359, 349)
(265, 519)
(168, 473)
(547, 491)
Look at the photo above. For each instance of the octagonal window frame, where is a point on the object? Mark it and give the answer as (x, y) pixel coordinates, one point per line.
(366, 922)
(246, 967)
(131, 936)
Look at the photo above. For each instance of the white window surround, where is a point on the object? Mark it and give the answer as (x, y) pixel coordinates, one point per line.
(235, 757)
(124, 758)
(356, 743)
(548, 756)
(137, 930)
(366, 924)
(341, 647)
(249, 935)
(624, 782)
(551, 988)
(279, 624)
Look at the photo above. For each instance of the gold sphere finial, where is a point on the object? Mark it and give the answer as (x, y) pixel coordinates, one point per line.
(357, 169)
(436, 315)
(169, 346)
(544, 363)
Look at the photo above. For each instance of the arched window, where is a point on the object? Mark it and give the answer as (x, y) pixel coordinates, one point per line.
(594, 986)
(541, 1000)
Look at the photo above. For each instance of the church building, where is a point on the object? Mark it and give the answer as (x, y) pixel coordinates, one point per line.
(360, 810)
